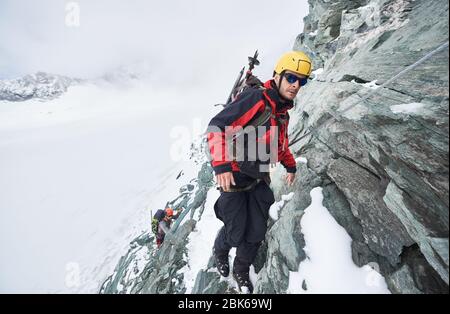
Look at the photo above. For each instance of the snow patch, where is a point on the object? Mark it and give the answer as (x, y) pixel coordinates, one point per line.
(275, 208)
(371, 85)
(301, 159)
(201, 241)
(412, 108)
(329, 267)
(318, 71)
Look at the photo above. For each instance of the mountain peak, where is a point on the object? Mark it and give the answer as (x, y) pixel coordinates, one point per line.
(40, 85)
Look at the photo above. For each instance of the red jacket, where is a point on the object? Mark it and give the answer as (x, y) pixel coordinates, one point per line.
(249, 104)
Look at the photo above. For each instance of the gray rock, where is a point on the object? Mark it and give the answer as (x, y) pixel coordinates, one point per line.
(208, 282)
(322, 28)
(382, 230)
(402, 281)
(434, 249)
(385, 170)
(161, 272)
(416, 275)
(122, 280)
(337, 204)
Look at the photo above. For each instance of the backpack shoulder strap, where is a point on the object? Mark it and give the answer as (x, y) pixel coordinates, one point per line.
(264, 116)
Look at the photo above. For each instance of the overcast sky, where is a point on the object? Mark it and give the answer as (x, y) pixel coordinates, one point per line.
(181, 41)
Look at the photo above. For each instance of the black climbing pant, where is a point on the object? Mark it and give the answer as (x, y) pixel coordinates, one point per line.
(244, 215)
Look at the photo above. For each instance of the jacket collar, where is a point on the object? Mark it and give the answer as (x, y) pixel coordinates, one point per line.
(273, 95)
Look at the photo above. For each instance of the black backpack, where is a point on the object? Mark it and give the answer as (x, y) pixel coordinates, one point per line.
(251, 168)
(157, 217)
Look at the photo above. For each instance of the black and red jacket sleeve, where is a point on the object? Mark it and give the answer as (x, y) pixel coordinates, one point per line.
(284, 153)
(236, 114)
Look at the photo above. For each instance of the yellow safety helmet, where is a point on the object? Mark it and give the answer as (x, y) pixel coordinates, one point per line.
(295, 61)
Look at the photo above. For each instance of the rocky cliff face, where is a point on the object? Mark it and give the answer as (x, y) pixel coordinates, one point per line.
(382, 165)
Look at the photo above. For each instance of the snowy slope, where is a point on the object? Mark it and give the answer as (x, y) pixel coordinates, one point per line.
(80, 175)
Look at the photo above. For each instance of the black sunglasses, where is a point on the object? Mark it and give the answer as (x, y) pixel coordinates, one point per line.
(291, 78)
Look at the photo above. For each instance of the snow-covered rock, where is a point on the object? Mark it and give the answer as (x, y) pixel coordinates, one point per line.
(41, 85)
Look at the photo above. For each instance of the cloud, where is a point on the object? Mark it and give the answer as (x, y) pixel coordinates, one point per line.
(184, 42)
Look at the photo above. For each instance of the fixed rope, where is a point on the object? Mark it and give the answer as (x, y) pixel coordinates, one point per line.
(364, 98)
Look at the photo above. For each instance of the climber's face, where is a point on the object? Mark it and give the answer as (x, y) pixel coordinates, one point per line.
(290, 84)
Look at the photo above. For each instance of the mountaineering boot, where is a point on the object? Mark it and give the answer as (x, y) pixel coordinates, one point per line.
(222, 263)
(243, 281)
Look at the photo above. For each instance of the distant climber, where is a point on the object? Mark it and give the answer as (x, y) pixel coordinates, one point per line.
(161, 223)
(246, 197)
